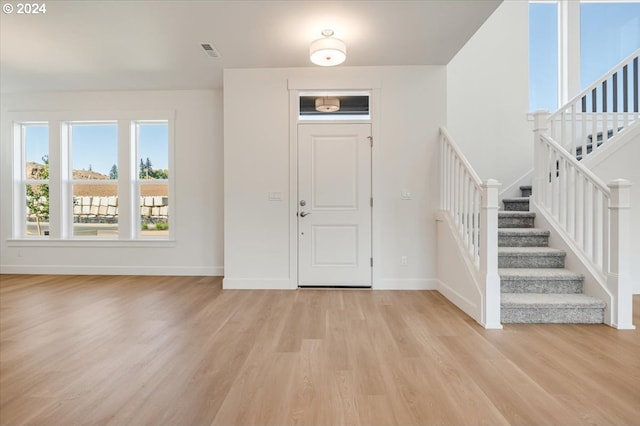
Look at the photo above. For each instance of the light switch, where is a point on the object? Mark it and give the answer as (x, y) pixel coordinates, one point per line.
(275, 196)
(405, 195)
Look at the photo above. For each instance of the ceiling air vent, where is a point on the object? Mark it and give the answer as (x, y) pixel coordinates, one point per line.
(210, 50)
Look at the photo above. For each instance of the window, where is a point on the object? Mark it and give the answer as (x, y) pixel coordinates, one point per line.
(109, 179)
(35, 146)
(94, 178)
(153, 178)
(543, 56)
(609, 32)
(604, 33)
(352, 106)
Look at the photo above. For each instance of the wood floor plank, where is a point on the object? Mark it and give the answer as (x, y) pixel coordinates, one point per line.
(180, 350)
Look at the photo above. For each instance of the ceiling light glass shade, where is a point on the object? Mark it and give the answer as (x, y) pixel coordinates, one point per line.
(328, 52)
(326, 104)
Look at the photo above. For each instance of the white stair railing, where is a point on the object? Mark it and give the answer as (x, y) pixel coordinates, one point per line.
(600, 111)
(473, 207)
(593, 216)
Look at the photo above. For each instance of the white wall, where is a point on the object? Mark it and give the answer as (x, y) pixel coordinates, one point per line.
(256, 149)
(198, 196)
(487, 96)
(622, 163)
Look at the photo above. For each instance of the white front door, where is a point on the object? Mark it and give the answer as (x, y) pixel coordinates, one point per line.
(334, 205)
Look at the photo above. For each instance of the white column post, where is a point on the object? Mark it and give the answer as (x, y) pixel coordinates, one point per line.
(540, 126)
(618, 276)
(489, 253)
(568, 50)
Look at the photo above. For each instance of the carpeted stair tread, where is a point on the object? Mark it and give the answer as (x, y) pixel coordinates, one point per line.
(516, 204)
(523, 232)
(532, 274)
(515, 219)
(535, 287)
(550, 301)
(523, 237)
(516, 213)
(530, 257)
(530, 251)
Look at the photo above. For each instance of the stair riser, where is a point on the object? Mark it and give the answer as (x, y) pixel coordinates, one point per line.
(520, 241)
(516, 206)
(541, 286)
(525, 192)
(515, 222)
(524, 261)
(552, 315)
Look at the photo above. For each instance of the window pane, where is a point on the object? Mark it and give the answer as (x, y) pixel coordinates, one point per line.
(543, 56)
(95, 210)
(36, 141)
(37, 197)
(94, 150)
(609, 32)
(154, 210)
(153, 149)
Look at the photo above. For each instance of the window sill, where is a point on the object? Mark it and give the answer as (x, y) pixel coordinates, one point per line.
(46, 242)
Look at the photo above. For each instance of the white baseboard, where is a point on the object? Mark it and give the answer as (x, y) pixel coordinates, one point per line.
(257, 284)
(406, 284)
(214, 271)
(466, 305)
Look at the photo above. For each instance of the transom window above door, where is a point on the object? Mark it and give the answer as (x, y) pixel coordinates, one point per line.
(334, 106)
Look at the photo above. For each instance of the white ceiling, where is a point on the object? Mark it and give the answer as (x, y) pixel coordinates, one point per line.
(123, 45)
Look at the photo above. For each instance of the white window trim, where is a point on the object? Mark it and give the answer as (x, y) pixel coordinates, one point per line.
(61, 233)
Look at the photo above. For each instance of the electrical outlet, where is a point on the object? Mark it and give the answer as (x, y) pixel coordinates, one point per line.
(403, 260)
(405, 195)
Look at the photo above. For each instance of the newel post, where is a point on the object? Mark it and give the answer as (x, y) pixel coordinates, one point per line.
(540, 127)
(489, 253)
(618, 276)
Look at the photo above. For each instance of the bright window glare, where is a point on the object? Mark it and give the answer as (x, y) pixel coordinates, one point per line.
(609, 32)
(543, 56)
(36, 142)
(153, 143)
(94, 147)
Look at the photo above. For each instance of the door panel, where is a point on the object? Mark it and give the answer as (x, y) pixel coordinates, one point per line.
(334, 224)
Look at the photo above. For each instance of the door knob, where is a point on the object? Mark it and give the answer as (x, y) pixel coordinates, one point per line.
(303, 214)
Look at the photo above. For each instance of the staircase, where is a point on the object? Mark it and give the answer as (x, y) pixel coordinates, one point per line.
(535, 286)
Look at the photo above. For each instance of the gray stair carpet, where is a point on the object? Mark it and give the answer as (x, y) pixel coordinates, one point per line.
(535, 286)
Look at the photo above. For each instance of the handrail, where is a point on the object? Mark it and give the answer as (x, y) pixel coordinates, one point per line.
(574, 199)
(600, 112)
(598, 82)
(575, 163)
(463, 159)
(594, 219)
(472, 206)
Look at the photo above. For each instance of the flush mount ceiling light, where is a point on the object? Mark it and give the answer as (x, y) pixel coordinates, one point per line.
(327, 104)
(328, 51)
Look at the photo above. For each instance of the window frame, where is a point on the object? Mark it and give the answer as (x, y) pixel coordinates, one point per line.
(60, 182)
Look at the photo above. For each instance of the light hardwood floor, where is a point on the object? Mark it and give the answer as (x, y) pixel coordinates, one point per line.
(181, 351)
